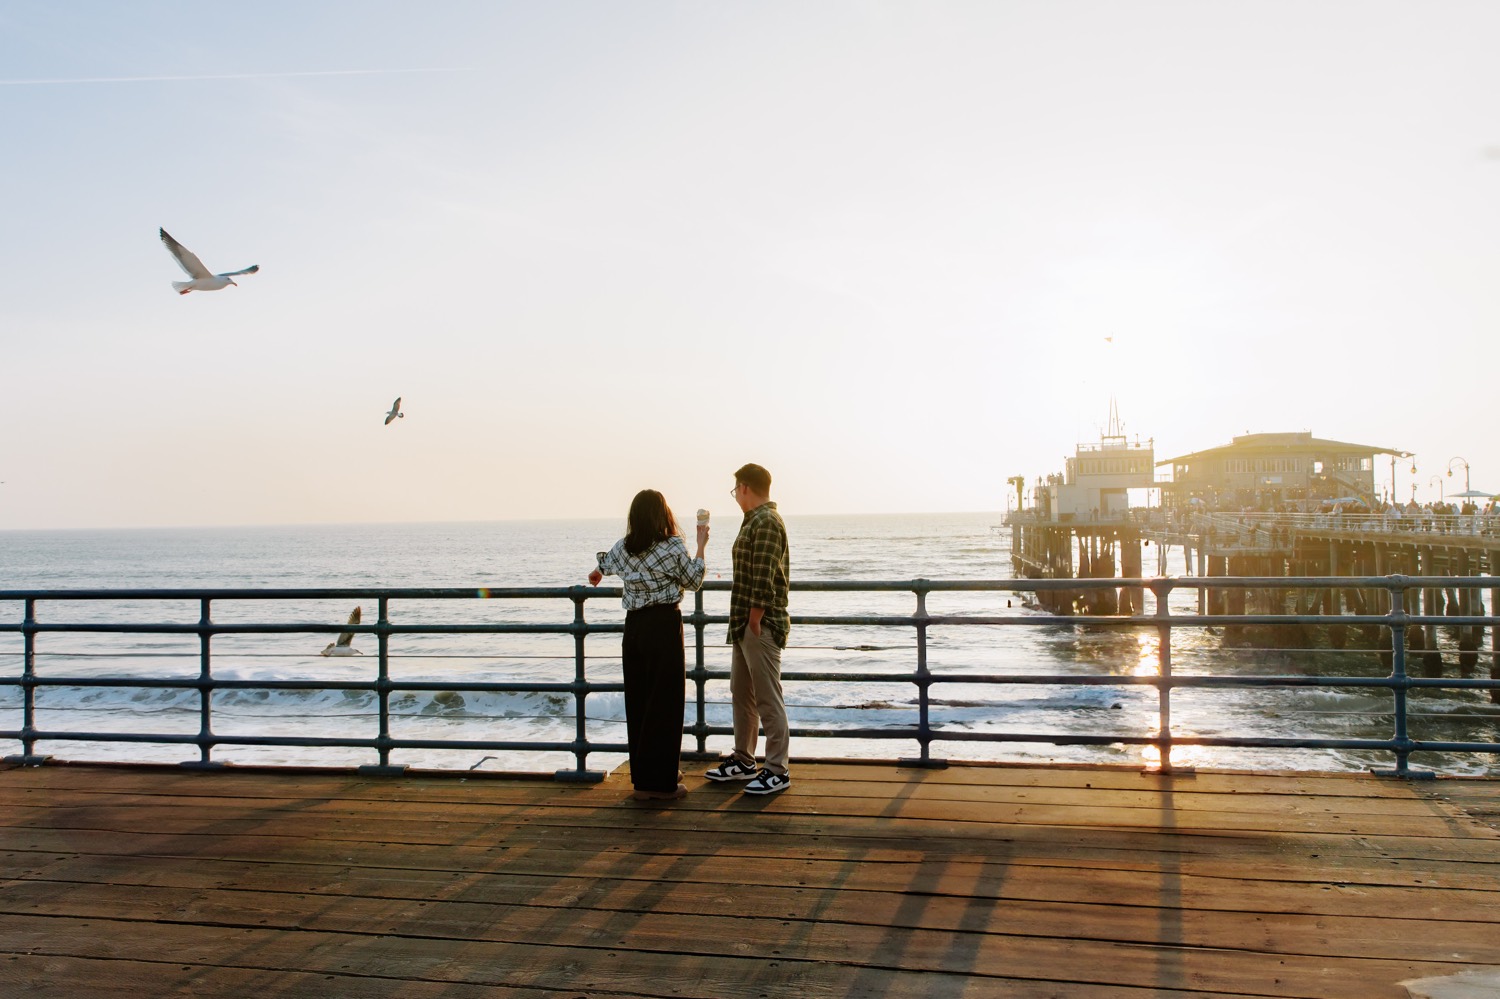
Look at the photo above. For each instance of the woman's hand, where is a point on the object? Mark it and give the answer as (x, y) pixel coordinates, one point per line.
(595, 577)
(702, 538)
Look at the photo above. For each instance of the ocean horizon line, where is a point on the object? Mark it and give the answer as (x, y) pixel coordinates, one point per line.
(286, 525)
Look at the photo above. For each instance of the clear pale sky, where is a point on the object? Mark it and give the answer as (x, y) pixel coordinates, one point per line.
(599, 246)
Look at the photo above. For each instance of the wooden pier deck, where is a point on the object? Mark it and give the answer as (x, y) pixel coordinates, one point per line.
(861, 880)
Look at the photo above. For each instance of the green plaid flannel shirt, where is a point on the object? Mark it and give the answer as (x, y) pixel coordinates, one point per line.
(762, 566)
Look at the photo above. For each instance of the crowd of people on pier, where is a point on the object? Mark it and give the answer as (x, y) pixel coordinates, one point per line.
(1410, 518)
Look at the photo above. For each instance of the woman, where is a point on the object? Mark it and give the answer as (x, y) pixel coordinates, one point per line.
(652, 561)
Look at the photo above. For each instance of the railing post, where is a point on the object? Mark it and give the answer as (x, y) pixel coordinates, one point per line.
(1399, 684)
(700, 675)
(383, 694)
(1160, 590)
(580, 773)
(923, 680)
(205, 685)
(28, 757)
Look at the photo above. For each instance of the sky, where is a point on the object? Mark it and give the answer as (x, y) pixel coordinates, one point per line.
(894, 252)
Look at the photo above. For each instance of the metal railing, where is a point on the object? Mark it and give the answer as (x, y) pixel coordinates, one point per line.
(1195, 521)
(1392, 522)
(920, 674)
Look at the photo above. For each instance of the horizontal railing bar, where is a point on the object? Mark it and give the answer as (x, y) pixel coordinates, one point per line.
(1009, 585)
(791, 676)
(339, 593)
(950, 620)
(193, 683)
(498, 659)
(883, 734)
(315, 657)
(325, 742)
(289, 628)
(1059, 738)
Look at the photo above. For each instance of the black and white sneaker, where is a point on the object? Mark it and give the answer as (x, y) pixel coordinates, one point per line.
(767, 782)
(730, 768)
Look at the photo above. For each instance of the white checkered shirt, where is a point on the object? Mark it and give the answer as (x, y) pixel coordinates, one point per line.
(657, 575)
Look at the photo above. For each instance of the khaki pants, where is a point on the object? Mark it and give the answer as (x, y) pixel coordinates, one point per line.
(755, 686)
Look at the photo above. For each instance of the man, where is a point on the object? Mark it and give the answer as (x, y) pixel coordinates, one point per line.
(758, 626)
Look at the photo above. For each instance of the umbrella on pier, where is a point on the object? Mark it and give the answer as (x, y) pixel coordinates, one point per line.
(1471, 494)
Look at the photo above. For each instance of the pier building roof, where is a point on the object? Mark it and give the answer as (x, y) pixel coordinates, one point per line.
(1291, 443)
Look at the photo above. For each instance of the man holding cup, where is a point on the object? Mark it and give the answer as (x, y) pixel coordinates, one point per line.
(758, 627)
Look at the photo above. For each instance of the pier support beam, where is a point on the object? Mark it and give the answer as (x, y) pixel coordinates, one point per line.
(1495, 648)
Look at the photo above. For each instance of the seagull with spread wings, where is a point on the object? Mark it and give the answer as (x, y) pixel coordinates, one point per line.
(202, 278)
(345, 645)
(395, 412)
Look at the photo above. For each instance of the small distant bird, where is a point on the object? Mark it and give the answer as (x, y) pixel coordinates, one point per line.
(395, 412)
(345, 645)
(202, 278)
(1109, 339)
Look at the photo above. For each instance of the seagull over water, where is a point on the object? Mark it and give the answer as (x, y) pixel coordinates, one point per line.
(202, 278)
(345, 645)
(395, 412)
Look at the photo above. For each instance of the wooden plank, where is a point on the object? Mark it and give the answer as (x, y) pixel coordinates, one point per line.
(1357, 787)
(363, 821)
(773, 959)
(1283, 865)
(472, 796)
(41, 977)
(1282, 862)
(940, 876)
(397, 825)
(806, 820)
(292, 887)
(1139, 809)
(48, 976)
(1319, 818)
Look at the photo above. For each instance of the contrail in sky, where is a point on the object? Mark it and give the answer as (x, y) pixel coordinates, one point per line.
(221, 76)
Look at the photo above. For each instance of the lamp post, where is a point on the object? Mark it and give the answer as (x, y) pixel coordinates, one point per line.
(1439, 480)
(1466, 471)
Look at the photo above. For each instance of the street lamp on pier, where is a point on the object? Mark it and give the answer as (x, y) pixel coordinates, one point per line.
(1465, 462)
(1439, 480)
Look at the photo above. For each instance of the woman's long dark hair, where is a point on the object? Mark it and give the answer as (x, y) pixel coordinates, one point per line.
(650, 521)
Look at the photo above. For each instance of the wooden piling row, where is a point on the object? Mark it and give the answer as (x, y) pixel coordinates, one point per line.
(1062, 550)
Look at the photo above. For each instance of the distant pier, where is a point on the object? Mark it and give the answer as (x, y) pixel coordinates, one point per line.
(1277, 545)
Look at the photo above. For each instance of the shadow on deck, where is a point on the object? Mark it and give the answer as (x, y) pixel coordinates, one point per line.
(861, 880)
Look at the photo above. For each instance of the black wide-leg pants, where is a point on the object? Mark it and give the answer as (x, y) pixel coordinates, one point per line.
(655, 677)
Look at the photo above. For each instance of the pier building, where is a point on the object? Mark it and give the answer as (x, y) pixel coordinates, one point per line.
(1095, 483)
(1273, 471)
(1086, 503)
(1265, 505)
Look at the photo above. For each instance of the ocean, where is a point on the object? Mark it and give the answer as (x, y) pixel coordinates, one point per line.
(560, 553)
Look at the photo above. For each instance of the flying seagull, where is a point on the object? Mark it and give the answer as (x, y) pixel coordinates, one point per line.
(345, 645)
(202, 278)
(395, 412)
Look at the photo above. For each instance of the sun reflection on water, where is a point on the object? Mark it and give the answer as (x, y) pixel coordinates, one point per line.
(1148, 656)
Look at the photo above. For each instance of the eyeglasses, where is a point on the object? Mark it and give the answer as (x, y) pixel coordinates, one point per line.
(735, 492)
